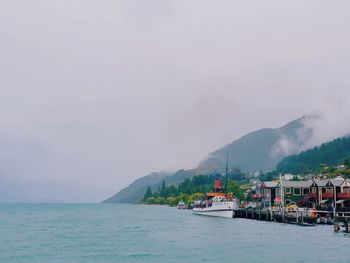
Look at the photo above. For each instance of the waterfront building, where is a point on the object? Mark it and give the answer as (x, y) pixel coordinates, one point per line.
(318, 188)
(256, 192)
(297, 191)
(343, 197)
(270, 192)
(322, 193)
(329, 193)
(265, 193)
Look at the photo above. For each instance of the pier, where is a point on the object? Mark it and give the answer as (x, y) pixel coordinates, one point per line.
(342, 222)
(304, 202)
(300, 217)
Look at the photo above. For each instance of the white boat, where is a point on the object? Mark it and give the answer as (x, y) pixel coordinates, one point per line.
(217, 203)
(181, 205)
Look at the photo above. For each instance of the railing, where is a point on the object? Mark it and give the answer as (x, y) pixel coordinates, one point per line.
(327, 195)
(345, 195)
(312, 195)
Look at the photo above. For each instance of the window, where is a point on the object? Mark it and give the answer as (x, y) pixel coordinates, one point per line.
(278, 191)
(313, 190)
(346, 189)
(306, 191)
(297, 191)
(323, 190)
(329, 190)
(288, 190)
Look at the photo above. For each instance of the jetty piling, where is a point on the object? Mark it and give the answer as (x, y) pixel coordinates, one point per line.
(300, 217)
(342, 220)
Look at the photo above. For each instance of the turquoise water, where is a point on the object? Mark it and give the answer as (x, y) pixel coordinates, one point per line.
(135, 233)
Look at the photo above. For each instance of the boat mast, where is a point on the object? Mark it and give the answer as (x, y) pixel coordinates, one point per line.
(226, 173)
(282, 197)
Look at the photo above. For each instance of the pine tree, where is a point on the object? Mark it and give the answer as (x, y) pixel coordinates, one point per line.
(347, 162)
(148, 193)
(163, 191)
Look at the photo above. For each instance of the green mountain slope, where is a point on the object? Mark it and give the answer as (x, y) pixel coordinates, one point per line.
(135, 191)
(330, 154)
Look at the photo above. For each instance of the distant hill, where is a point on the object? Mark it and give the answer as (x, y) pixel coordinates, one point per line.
(262, 149)
(259, 150)
(330, 154)
(135, 191)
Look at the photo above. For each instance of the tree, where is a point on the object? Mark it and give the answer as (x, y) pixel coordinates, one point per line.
(347, 162)
(171, 191)
(150, 200)
(324, 168)
(172, 201)
(236, 174)
(236, 190)
(148, 193)
(295, 178)
(163, 191)
(195, 196)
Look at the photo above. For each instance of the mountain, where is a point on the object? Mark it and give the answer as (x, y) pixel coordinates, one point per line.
(259, 150)
(262, 149)
(330, 154)
(135, 191)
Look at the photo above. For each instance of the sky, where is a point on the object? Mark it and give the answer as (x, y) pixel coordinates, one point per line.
(94, 94)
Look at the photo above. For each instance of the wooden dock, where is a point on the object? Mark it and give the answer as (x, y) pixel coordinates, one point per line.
(268, 214)
(342, 222)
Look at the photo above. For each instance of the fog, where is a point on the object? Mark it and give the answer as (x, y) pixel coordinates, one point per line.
(94, 94)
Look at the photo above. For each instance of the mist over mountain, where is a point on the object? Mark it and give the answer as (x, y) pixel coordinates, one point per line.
(262, 149)
(331, 153)
(259, 150)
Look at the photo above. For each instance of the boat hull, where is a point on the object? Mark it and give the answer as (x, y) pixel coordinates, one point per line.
(227, 213)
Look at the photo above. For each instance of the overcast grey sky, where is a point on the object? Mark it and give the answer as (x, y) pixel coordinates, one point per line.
(94, 94)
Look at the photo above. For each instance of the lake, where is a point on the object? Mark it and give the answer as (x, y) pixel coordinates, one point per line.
(139, 233)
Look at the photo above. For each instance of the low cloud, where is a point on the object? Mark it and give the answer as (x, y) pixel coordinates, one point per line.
(330, 121)
(94, 94)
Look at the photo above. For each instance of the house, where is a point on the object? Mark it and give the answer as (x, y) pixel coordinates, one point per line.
(297, 191)
(270, 191)
(343, 198)
(336, 193)
(256, 192)
(318, 187)
(323, 193)
(328, 193)
(265, 193)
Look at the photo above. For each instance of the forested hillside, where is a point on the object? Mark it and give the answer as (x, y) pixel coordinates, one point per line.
(329, 154)
(192, 188)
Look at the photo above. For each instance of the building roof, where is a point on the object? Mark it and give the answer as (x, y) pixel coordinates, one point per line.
(304, 184)
(272, 184)
(337, 181)
(320, 182)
